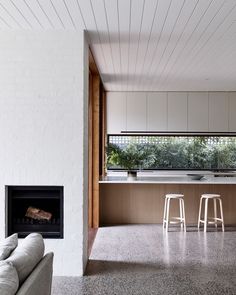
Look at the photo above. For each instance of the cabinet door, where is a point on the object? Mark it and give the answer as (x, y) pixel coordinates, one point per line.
(218, 112)
(177, 111)
(116, 112)
(198, 111)
(157, 111)
(232, 112)
(136, 111)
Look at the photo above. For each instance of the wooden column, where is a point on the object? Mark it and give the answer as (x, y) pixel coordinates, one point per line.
(104, 132)
(97, 139)
(90, 153)
(95, 147)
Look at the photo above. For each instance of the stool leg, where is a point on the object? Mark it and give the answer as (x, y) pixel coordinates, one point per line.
(183, 213)
(221, 215)
(215, 212)
(164, 214)
(199, 214)
(167, 214)
(205, 215)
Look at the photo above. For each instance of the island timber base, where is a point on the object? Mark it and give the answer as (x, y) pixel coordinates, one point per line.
(129, 203)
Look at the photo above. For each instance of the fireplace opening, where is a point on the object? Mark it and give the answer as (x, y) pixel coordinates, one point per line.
(34, 209)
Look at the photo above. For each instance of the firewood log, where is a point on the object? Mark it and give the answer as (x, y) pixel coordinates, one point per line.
(39, 214)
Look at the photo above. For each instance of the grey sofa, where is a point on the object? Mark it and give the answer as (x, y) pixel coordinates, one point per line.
(39, 282)
(24, 269)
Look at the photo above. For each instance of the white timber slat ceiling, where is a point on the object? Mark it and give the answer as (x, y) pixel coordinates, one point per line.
(143, 45)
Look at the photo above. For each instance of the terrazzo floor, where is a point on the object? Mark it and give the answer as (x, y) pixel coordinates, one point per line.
(142, 259)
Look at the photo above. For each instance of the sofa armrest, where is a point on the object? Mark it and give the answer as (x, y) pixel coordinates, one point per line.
(39, 282)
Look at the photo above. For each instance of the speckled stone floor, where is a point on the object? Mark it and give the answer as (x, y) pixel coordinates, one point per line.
(141, 259)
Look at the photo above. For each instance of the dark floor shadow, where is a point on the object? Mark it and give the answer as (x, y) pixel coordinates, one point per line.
(195, 270)
(95, 267)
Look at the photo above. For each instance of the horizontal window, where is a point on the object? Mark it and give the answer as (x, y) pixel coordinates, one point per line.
(145, 152)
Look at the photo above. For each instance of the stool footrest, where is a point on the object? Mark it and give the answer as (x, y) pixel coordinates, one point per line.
(211, 220)
(173, 222)
(176, 222)
(215, 219)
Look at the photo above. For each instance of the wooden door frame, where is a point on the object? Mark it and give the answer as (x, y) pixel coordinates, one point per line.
(97, 140)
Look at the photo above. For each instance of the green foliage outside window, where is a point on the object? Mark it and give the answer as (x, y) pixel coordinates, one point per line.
(171, 152)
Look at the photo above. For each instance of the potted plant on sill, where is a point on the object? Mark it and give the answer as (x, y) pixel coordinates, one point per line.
(131, 158)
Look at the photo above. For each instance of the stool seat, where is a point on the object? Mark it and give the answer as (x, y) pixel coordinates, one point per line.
(211, 220)
(210, 196)
(174, 196)
(174, 220)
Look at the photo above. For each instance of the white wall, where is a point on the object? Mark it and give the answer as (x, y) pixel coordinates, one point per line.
(43, 129)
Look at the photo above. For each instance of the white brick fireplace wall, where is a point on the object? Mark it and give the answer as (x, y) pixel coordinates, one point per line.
(43, 129)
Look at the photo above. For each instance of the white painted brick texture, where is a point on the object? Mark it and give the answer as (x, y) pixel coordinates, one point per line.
(43, 103)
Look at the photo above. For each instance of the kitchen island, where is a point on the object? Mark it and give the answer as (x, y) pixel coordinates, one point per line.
(142, 200)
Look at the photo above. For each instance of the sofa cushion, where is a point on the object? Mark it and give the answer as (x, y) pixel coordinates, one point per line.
(9, 281)
(7, 246)
(27, 255)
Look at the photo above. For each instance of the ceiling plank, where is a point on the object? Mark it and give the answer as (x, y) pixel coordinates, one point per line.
(143, 45)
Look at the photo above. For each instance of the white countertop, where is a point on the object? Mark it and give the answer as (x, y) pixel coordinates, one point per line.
(170, 178)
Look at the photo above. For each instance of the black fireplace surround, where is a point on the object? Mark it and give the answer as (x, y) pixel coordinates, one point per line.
(46, 198)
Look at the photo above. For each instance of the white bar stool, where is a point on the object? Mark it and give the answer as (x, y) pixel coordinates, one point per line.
(174, 220)
(211, 220)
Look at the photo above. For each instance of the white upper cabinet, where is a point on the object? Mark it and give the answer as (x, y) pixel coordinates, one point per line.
(171, 111)
(116, 112)
(157, 111)
(232, 112)
(177, 111)
(218, 112)
(198, 112)
(136, 111)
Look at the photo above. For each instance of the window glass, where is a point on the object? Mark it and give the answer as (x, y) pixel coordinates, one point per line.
(171, 152)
